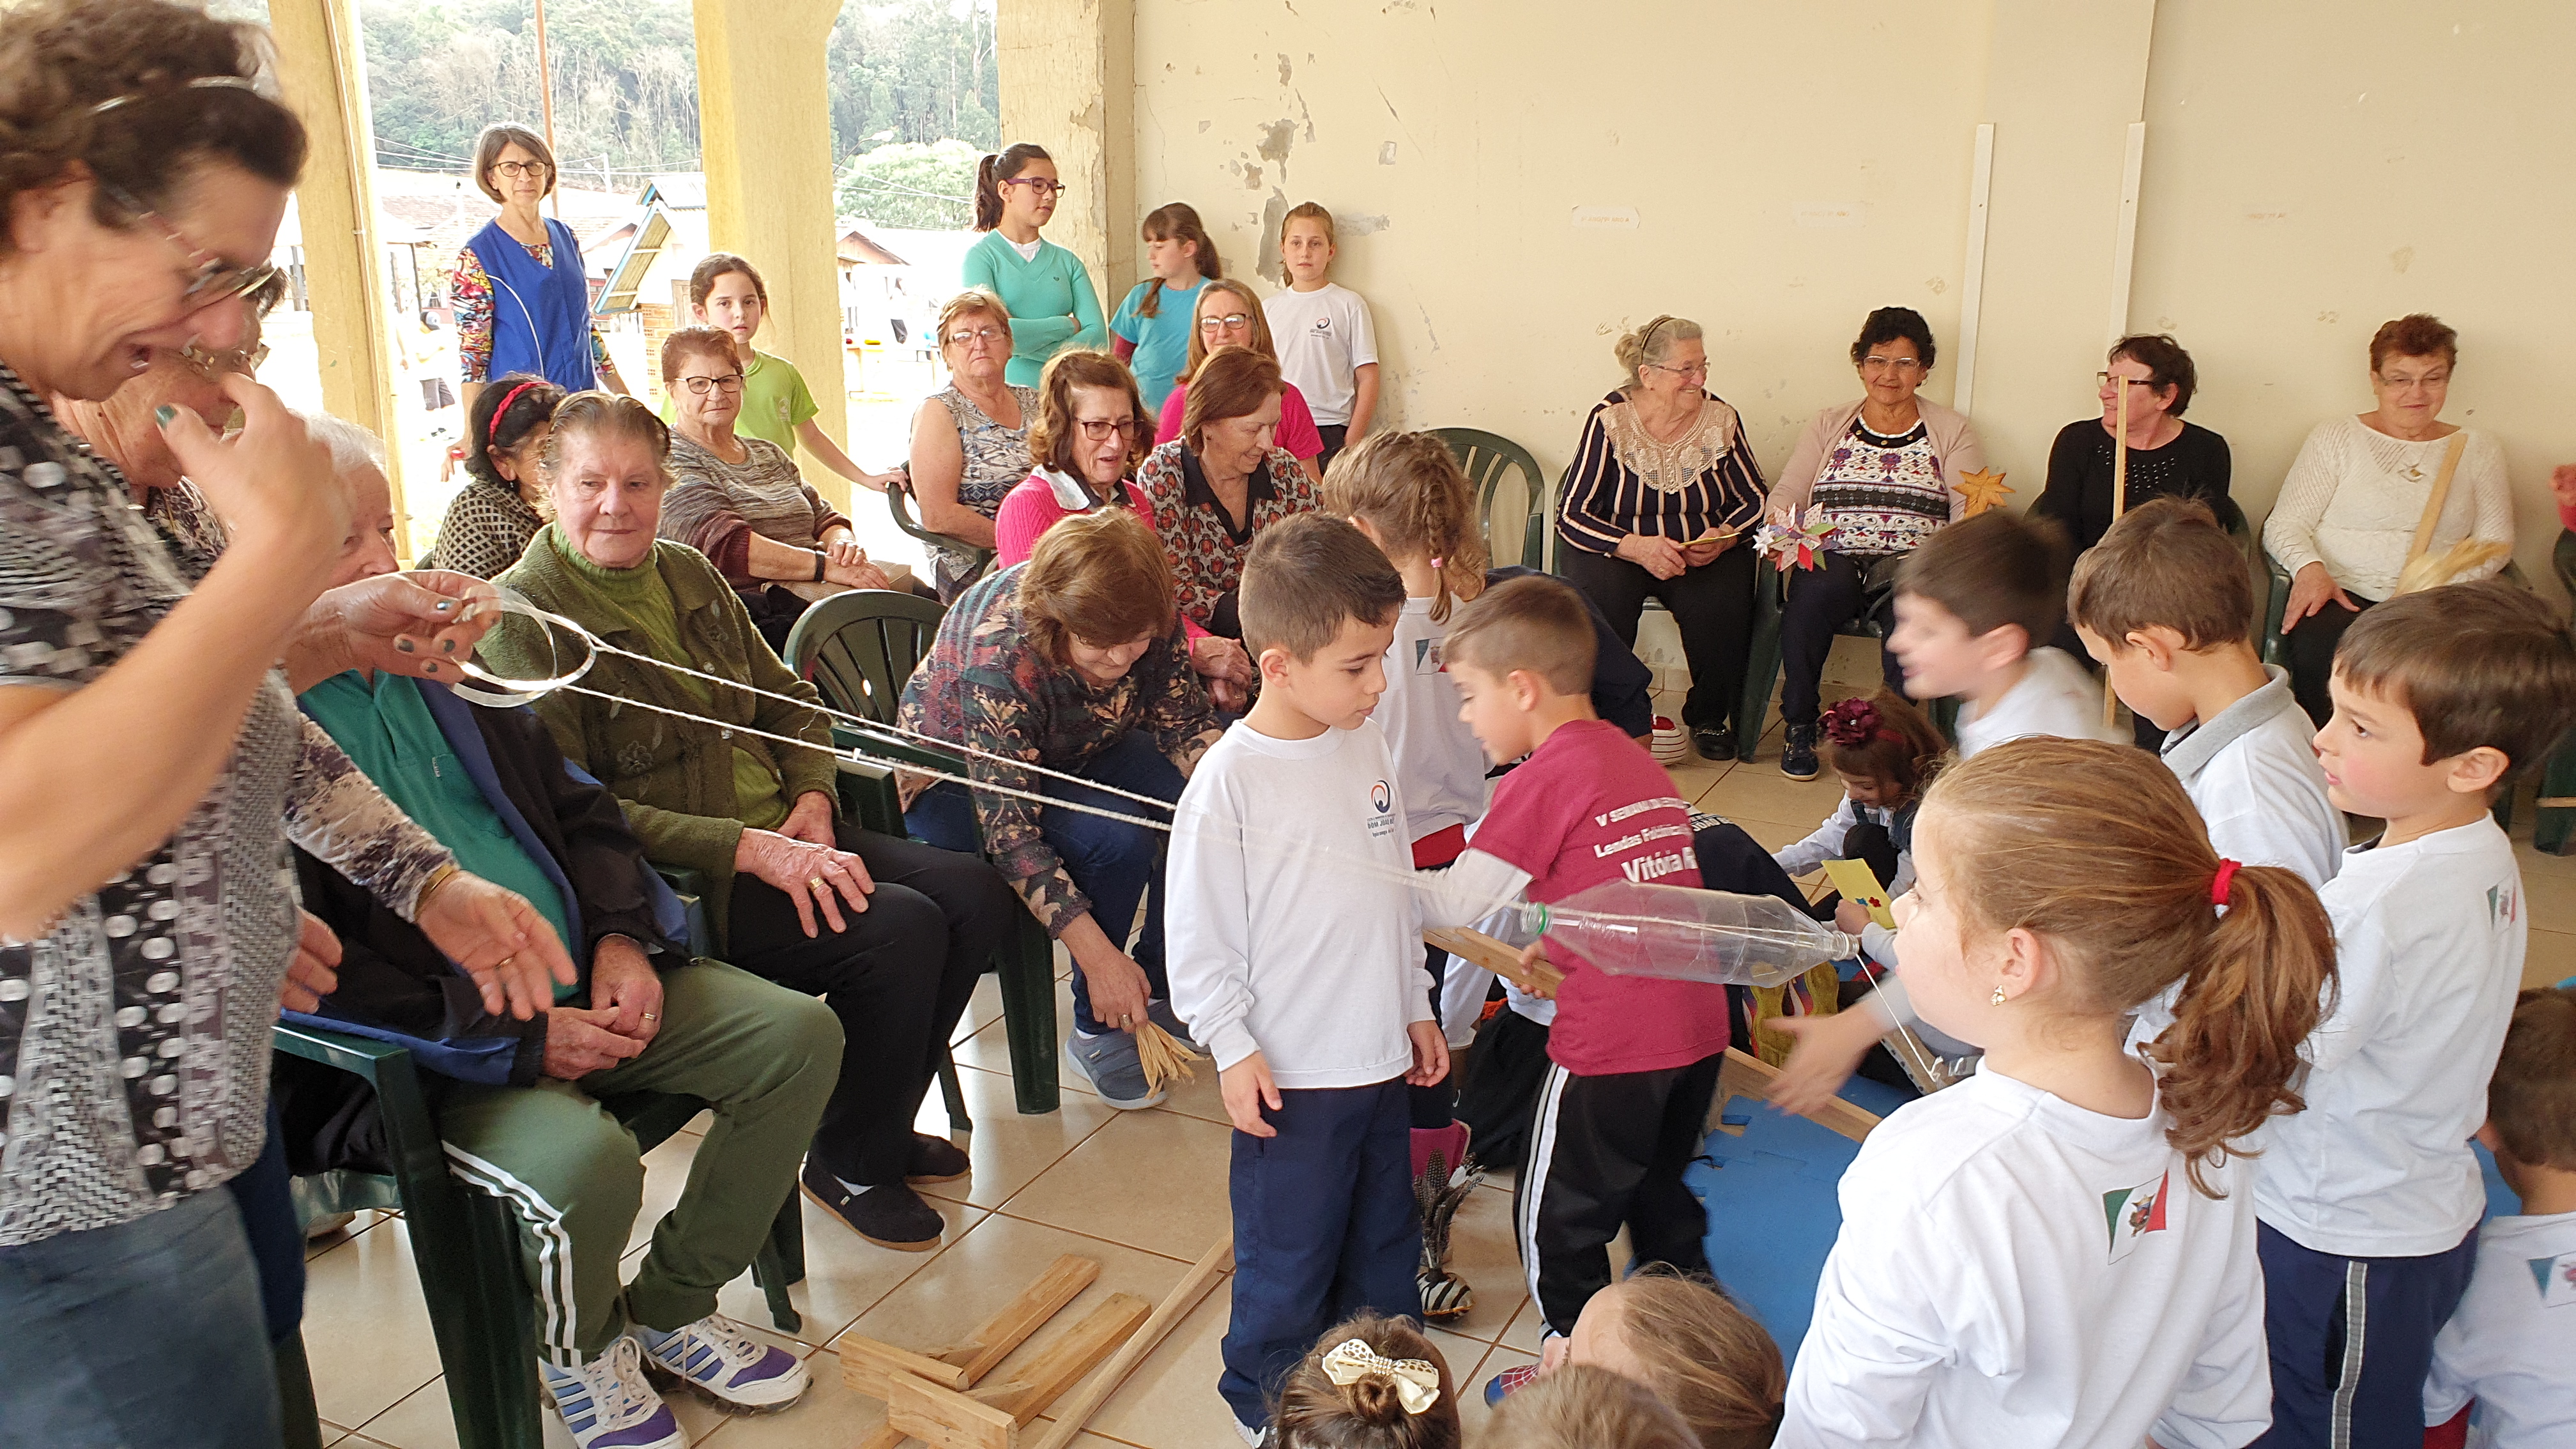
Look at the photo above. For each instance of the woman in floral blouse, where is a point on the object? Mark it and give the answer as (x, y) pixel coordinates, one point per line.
(1221, 481)
(521, 298)
(1073, 661)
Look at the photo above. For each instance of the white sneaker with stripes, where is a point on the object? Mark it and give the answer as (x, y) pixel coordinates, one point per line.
(607, 1403)
(721, 1362)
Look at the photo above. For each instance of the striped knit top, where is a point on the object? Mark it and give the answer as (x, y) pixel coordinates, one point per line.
(715, 506)
(1624, 481)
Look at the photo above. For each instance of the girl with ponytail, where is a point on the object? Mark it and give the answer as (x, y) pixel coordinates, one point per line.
(1047, 289)
(1153, 325)
(1370, 1383)
(2061, 1249)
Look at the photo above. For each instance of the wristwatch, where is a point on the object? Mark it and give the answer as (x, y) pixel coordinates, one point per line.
(820, 558)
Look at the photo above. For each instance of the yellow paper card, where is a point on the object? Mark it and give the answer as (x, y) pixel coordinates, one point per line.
(1859, 883)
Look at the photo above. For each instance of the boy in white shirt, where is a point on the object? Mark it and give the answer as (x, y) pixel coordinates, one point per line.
(1970, 604)
(2370, 1198)
(1327, 345)
(2511, 1347)
(1295, 951)
(2164, 603)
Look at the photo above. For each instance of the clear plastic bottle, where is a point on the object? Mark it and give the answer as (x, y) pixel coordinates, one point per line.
(1682, 934)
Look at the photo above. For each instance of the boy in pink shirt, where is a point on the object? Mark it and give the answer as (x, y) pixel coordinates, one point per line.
(1633, 1061)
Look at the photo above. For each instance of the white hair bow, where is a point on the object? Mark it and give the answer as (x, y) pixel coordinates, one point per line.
(1417, 1383)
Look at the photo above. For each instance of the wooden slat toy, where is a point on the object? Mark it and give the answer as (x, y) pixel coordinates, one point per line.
(1478, 949)
(1744, 1075)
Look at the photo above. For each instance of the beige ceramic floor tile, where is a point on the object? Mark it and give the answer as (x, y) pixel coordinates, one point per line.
(2551, 897)
(1481, 1251)
(845, 1275)
(1151, 1180)
(1761, 792)
(365, 1328)
(1171, 1402)
(1008, 1149)
(366, 1218)
(666, 1172)
(990, 1048)
(2550, 959)
(982, 1009)
(424, 1420)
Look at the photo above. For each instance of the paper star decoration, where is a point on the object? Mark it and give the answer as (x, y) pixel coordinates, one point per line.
(1982, 490)
(1798, 544)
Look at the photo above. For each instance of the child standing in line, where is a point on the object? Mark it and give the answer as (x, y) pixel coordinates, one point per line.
(1371, 1383)
(2370, 1199)
(1152, 326)
(1047, 288)
(1633, 1061)
(2511, 1347)
(1973, 602)
(1295, 951)
(2163, 602)
(2060, 1249)
(1885, 753)
(1327, 345)
(726, 293)
(1406, 493)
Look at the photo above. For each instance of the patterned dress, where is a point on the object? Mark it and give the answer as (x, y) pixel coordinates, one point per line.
(1205, 548)
(486, 528)
(986, 686)
(1885, 494)
(997, 458)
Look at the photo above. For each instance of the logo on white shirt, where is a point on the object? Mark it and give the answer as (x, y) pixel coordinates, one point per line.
(2501, 905)
(1323, 327)
(1382, 807)
(1426, 657)
(2557, 1279)
(2133, 1212)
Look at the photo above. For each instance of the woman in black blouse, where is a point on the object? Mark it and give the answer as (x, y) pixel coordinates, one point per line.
(1662, 488)
(2167, 456)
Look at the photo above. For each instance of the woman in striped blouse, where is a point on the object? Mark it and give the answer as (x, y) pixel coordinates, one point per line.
(1662, 488)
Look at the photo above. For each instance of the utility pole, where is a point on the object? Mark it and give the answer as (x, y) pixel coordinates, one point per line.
(546, 98)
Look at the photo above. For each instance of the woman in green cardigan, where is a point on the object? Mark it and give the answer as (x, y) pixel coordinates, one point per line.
(905, 929)
(1045, 286)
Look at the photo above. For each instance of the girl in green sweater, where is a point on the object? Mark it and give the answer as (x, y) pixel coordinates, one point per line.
(1046, 287)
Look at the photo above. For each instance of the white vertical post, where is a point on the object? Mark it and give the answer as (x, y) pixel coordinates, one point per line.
(2124, 247)
(1972, 285)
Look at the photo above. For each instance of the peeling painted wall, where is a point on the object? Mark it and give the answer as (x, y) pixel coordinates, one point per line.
(1519, 181)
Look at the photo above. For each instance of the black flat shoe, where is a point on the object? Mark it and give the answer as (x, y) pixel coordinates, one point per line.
(1713, 742)
(893, 1216)
(934, 1159)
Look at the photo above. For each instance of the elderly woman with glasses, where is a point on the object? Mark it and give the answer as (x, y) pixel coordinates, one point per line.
(522, 299)
(1662, 486)
(1230, 316)
(970, 441)
(1883, 472)
(1047, 290)
(740, 501)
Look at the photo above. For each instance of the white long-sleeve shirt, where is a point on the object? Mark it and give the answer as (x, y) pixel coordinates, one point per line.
(1289, 920)
(2013, 1269)
(1826, 843)
(2429, 939)
(2354, 496)
(2511, 1345)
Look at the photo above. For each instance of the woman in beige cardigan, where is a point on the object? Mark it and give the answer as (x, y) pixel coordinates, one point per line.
(1886, 471)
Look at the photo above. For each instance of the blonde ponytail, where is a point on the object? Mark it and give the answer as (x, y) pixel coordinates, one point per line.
(1419, 503)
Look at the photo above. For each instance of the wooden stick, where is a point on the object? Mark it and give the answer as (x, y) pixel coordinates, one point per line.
(870, 1366)
(1742, 1074)
(1203, 1275)
(1060, 1284)
(1056, 1368)
(1478, 949)
(2119, 505)
(944, 1418)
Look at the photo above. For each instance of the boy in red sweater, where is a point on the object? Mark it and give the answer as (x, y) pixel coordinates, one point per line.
(1633, 1061)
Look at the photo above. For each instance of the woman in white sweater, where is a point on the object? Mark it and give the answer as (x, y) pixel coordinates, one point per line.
(2347, 517)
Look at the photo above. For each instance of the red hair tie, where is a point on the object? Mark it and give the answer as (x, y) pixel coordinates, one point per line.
(1855, 722)
(492, 431)
(2221, 884)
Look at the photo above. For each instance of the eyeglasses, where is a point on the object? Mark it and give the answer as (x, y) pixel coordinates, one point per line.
(728, 384)
(1230, 319)
(980, 334)
(211, 279)
(516, 169)
(1875, 363)
(1696, 369)
(1100, 430)
(212, 365)
(1038, 186)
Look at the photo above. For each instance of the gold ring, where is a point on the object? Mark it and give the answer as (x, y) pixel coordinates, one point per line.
(648, 1016)
(506, 960)
(817, 884)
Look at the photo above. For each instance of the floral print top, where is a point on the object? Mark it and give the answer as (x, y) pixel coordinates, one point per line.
(997, 458)
(986, 686)
(1206, 548)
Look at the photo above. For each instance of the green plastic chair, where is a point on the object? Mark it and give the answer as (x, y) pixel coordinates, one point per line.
(859, 648)
(1489, 459)
(899, 503)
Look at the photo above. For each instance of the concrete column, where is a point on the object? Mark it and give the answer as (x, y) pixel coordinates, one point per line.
(765, 128)
(325, 79)
(1069, 85)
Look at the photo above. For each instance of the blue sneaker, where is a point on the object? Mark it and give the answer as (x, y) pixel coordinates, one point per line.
(715, 1359)
(1109, 1062)
(608, 1404)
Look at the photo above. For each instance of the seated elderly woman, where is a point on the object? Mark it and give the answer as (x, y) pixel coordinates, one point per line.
(1221, 481)
(489, 523)
(1228, 315)
(904, 929)
(2368, 494)
(1087, 440)
(740, 501)
(1662, 486)
(2168, 458)
(518, 1101)
(1884, 472)
(970, 441)
(1073, 661)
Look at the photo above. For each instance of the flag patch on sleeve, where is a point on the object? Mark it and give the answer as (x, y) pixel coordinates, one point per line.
(2133, 1212)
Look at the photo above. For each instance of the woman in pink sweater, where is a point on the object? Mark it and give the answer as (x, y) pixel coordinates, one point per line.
(1089, 435)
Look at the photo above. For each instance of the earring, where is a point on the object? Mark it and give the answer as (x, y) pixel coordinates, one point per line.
(1999, 998)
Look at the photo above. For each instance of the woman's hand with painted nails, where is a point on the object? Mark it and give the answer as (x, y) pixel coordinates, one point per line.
(272, 483)
(419, 623)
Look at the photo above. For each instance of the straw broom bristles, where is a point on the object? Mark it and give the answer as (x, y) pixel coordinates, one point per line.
(1164, 1058)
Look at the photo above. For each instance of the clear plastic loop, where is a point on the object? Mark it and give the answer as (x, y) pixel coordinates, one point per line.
(509, 693)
